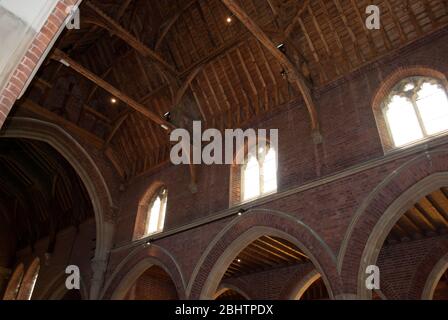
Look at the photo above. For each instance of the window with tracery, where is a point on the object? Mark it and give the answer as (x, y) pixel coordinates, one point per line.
(416, 109)
(259, 174)
(156, 212)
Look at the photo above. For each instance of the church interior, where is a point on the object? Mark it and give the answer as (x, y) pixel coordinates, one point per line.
(349, 202)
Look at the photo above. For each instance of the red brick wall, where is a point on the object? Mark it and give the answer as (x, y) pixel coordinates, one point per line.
(405, 267)
(350, 138)
(30, 61)
(152, 288)
(271, 285)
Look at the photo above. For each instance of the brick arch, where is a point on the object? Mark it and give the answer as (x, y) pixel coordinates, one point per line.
(430, 271)
(14, 283)
(29, 280)
(428, 69)
(245, 229)
(138, 262)
(143, 206)
(377, 214)
(238, 286)
(90, 175)
(299, 283)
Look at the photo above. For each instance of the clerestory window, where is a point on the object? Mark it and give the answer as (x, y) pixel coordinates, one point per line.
(416, 109)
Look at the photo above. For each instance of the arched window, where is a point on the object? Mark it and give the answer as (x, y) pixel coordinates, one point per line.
(416, 109)
(259, 174)
(156, 212)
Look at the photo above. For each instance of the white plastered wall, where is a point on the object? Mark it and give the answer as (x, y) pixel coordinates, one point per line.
(20, 20)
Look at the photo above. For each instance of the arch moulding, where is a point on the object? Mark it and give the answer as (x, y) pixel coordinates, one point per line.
(243, 230)
(85, 167)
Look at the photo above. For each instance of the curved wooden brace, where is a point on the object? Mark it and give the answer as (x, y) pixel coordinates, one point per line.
(29, 281)
(165, 31)
(290, 27)
(14, 283)
(63, 58)
(183, 88)
(171, 22)
(109, 24)
(141, 48)
(294, 75)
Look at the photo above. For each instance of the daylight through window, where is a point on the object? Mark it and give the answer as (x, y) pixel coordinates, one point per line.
(417, 108)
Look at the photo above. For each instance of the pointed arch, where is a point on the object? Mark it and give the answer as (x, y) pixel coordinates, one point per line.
(88, 171)
(434, 278)
(144, 207)
(139, 260)
(29, 281)
(242, 231)
(303, 285)
(14, 283)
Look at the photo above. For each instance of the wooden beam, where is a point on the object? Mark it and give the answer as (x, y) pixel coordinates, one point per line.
(284, 252)
(260, 245)
(132, 103)
(114, 130)
(63, 58)
(294, 75)
(268, 259)
(33, 107)
(296, 18)
(218, 52)
(108, 23)
(178, 98)
(295, 250)
(183, 88)
(171, 21)
(123, 9)
(108, 70)
(110, 154)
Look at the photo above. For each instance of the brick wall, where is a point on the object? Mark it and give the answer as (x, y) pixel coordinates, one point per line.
(348, 127)
(271, 285)
(152, 287)
(351, 138)
(404, 267)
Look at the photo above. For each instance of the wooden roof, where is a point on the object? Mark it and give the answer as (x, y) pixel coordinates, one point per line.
(40, 193)
(428, 217)
(265, 253)
(184, 57)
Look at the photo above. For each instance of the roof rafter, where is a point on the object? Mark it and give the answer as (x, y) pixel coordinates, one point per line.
(294, 75)
(103, 20)
(296, 18)
(171, 21)
(63, 58)
(70, 126)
